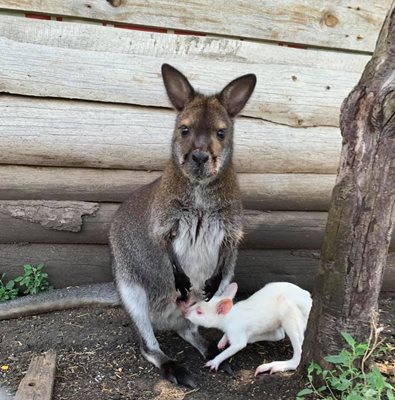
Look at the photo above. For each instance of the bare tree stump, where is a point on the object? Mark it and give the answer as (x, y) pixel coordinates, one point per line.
(361, 214)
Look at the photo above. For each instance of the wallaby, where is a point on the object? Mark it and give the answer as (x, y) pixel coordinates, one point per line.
(175, 240)
(277, 309)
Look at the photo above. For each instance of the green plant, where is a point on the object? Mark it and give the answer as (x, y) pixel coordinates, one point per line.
(8, 291)
(348, 379)
(33, 280)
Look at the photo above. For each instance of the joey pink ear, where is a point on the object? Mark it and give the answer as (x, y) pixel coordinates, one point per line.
(236, 94)
(178, 88)
(224, 306)
(230, 291)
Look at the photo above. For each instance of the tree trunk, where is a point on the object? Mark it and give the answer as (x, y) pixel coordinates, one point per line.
(361, 214)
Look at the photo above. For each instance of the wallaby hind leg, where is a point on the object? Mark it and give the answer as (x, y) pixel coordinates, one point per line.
(135, 302)
(190, 333)
(294, 327)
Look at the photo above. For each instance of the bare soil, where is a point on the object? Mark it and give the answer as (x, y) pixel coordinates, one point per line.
(98, 359)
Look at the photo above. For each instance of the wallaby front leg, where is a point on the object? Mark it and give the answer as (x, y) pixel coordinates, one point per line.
(234, 347)
(182, 282)
(223, 272)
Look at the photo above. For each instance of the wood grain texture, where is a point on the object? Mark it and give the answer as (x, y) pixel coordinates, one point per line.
(295, 87)
(83, 134)
(310, 192)
(39, 380)
(73, 264)
(263, 230)
(319, 23)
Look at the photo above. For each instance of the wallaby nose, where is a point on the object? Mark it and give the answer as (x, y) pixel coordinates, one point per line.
(200, 157)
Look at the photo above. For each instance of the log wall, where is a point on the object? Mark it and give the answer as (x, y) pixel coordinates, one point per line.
(84, 120)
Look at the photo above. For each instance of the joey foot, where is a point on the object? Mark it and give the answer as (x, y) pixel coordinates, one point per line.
(275, 366)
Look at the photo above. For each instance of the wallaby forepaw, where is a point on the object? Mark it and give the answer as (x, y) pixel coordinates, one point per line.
(177, 374)
(183, 286)
(211, 286)
(212, 364)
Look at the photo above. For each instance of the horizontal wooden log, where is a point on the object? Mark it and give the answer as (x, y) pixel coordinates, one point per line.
(318, 23)
(295, 87)
(70, 264)
(263, 230)
(80, 134)
(259, 191)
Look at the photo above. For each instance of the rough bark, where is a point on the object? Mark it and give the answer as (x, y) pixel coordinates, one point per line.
(57, 215)
(361, 214)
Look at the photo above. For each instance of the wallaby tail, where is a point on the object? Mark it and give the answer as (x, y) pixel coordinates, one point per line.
(60, 299)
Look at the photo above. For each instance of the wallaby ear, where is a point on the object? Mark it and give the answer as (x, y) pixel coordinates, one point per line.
(224, 306)
(236, 94)
(230, 291)
(177, 86)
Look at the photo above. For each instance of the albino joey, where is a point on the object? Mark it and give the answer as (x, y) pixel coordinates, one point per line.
(175, 240)
(277, 309)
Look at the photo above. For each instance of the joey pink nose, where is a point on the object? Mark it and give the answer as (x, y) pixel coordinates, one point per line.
(200, 157)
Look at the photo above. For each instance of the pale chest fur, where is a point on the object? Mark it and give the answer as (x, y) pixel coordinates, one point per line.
(197, 244)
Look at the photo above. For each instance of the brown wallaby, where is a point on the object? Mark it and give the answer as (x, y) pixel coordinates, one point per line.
(176, 239)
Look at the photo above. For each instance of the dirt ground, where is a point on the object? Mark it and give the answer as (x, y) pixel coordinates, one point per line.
(98, 359)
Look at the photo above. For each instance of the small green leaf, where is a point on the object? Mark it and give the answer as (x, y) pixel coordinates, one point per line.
(360, 349)
(305, 391)
(10, 285)
(349, 339)
(336, 359)
(390, 394)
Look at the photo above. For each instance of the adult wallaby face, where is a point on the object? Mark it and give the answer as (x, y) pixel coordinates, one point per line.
(175, 240)
(202, 142)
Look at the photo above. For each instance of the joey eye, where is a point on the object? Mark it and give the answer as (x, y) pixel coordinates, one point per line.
(184, 130)
(199, 311)
(220, 134)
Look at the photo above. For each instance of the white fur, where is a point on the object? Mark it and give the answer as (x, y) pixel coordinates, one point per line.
(277, 308)
(198, 254)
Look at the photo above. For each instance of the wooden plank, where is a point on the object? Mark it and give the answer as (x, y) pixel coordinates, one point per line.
(39, 380)
(319, 23)
(310, 192)
(295, 87)
(66, 264)
(73, 264)
(83, 134)
(57, 222)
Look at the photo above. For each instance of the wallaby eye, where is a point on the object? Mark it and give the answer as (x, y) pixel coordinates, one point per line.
(184, 130)
(220, 134)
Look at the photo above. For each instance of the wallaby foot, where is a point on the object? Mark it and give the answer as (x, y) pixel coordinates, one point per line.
(276, 366)
(177, 374)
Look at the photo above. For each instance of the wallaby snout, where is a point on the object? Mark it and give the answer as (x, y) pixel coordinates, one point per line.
(200, 157)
